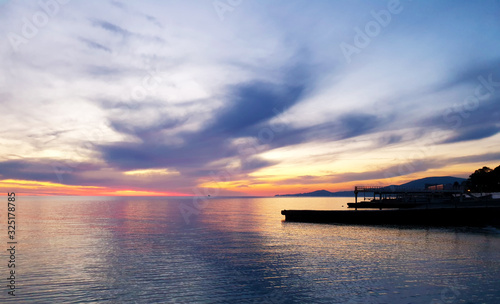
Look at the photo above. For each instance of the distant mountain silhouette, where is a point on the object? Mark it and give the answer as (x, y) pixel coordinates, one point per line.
(417, 184)
(438, 180)
(316, 193)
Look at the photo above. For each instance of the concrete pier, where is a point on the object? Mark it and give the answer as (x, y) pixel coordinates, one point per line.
(467, 216)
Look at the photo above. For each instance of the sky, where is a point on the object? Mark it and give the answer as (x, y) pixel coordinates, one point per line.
(238, 97)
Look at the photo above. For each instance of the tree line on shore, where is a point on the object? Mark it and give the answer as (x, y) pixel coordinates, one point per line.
(484, 180)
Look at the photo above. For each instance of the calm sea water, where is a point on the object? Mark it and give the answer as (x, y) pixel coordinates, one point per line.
(238, 250)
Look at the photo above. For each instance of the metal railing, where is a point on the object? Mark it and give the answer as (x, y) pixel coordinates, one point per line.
(398, 189)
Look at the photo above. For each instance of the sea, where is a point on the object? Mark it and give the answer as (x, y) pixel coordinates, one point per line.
(236, 250)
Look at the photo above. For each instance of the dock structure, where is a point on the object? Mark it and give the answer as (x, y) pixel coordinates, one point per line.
(433, 205)
(469, 216)
(410, 195)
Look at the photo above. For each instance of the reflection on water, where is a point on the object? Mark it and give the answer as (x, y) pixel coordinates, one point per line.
(98, 249)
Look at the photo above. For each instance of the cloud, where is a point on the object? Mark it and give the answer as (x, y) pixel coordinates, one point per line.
(246, 108)
(250, 104)
(344, 126)
(111, 27)
(388, 172)
(90, 174)
(470, 72)
(488, 157)
(95, 45)
(43, 170)
(253, 163)
(356, 124)
(469, 121)
(468, 134)
(147, 133)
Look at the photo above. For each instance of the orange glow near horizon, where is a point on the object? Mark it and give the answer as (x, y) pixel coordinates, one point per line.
(36, 188)
(254, 186)
(272, 186)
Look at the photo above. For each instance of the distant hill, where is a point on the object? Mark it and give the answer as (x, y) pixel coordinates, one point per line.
(439, 180)
(320, 193)
(418, 184)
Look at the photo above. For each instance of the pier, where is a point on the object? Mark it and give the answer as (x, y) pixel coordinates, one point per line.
(407, 193)
(471, 216)
(435, 205)
(406, 197)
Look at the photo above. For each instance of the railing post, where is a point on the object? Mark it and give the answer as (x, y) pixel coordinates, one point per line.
(356, 194)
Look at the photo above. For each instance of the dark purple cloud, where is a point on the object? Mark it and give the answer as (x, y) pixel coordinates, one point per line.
(248, 106)
(108, 26)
